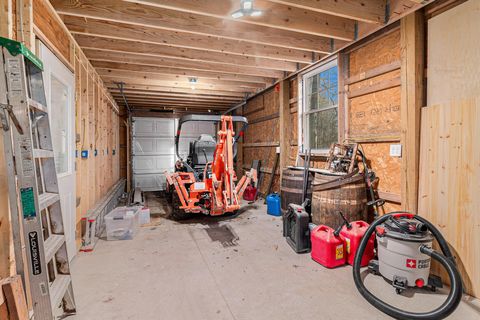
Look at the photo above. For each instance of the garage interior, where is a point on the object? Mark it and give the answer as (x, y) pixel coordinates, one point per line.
(217, 159)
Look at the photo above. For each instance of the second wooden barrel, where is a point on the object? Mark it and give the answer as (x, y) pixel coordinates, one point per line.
(347, 195)
(291, 188)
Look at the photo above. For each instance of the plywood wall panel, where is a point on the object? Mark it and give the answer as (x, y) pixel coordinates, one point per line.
(262, 113)
(385, 50)
(375, 115)
(386, 167)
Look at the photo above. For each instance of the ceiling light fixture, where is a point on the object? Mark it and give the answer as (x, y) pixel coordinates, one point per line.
(246, 9)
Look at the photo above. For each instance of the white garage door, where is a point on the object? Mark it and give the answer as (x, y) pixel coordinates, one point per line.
(153, 152)
(154, 149)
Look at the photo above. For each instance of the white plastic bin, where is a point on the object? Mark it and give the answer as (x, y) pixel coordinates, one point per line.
(122, 223)
(144, 216)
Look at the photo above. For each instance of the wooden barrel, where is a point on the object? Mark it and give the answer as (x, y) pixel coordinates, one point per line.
(348, 195)
(291, 188)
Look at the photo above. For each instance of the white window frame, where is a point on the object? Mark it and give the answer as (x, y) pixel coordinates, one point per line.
(303, 136)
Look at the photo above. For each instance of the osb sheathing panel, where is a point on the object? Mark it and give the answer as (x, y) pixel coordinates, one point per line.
(385, 50)
(386, 168)
(264, 131)
(376, 114)
(267, 131)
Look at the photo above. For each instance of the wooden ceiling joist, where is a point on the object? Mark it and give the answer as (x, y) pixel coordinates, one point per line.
(99, 55)
(180, 79)
(148, 16)
(181, 99)
(155, 50)
(184, 106)
(180, 72)
(372, 11)
(162, 89)
(274, 15)
(171, 99)
(140, 81)
(174, 102)
(123, 31)
(168, 95)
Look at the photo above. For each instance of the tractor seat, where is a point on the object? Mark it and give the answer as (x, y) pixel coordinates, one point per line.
(204, 143)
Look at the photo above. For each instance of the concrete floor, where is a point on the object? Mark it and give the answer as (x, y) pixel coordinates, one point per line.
(237, 267)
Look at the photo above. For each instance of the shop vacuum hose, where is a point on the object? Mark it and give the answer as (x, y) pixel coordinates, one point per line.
(446, 260)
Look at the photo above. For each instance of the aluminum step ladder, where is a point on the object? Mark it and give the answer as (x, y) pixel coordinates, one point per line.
(37, 221)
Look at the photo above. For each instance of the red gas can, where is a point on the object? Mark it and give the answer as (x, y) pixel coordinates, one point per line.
(250, 193)
(327, 249)
(352, 239)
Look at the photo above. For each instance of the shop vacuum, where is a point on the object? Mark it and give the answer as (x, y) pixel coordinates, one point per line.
(404, 254)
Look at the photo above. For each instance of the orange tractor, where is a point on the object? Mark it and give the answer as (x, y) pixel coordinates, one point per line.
(206, 181)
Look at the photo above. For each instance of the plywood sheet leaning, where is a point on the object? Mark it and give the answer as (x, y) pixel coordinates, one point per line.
(449, 185)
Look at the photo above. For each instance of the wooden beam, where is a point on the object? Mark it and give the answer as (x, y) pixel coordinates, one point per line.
(24, 15)
(116, 30)
(100, 55)
(261, 144)
(184, 106)
(384, 85)
(187, 90)
(6, 18)
(412, 28)
(176, 84)
(284, 110)
(375, 72)
(168, 100)
(372, 11)
(153, 95)
(147, 16)
(12, 288)
(106, 65)
(176, 101)
(274, 15)
(155, 50)
(185, 79)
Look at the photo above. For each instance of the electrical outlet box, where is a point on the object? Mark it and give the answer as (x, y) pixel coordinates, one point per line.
(277, 149)
(113, 152)
(84, 154)
(95, 153)
(396, 150)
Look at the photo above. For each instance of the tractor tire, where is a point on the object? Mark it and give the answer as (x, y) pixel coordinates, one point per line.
(169, 191)
(177, 213)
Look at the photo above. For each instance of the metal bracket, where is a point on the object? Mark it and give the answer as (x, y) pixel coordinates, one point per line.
(4, 118)
(6, 108)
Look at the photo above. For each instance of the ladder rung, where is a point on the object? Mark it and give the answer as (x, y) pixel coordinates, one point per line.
(52, 244)
(37, 105)
(47, 199)
(40, 153)
(58, 289)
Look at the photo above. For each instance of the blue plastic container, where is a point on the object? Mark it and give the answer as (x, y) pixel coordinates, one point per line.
(273, 205)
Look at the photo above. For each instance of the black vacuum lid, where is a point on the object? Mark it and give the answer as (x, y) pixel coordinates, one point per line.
(407, 229)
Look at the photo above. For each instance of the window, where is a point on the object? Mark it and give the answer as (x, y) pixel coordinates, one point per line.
(60, 127)
(320, 107)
